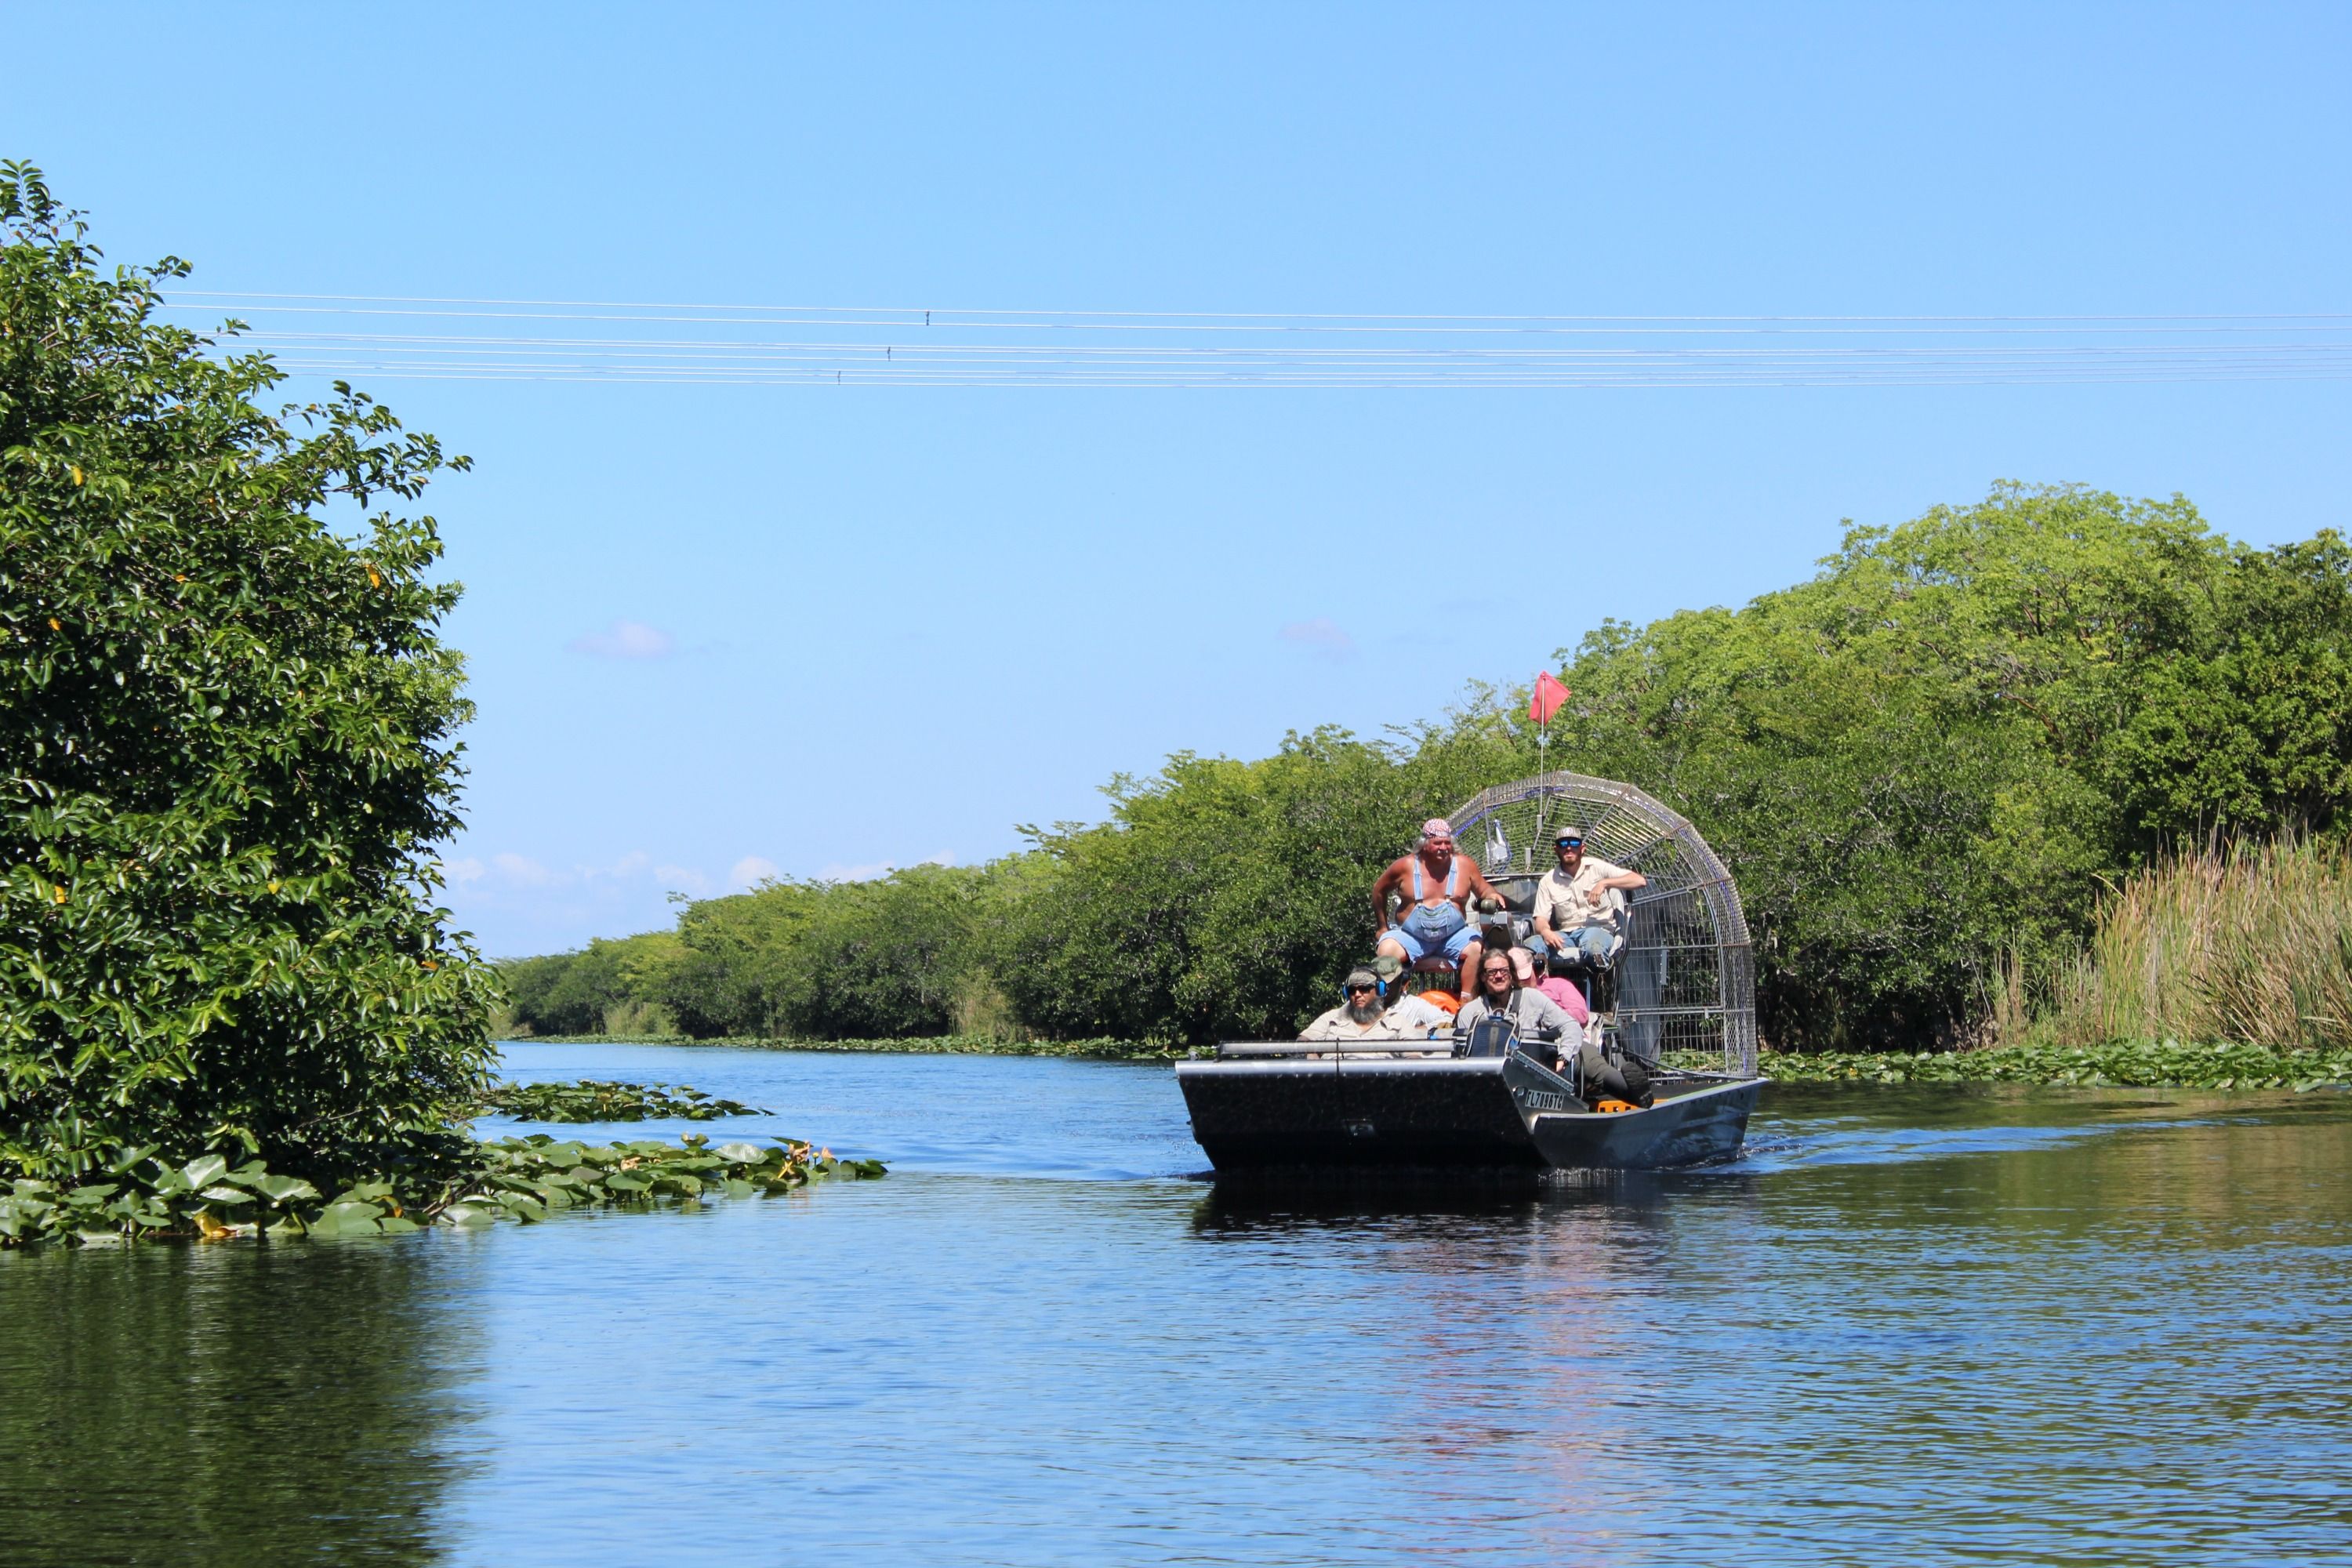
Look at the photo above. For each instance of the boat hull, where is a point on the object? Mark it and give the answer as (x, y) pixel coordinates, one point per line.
(1452, 1114)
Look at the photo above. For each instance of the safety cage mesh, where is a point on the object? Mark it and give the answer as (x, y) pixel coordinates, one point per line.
(1684, 979)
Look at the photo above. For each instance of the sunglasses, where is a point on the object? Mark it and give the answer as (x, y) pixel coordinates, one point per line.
(1361, 990)
(1568, 842)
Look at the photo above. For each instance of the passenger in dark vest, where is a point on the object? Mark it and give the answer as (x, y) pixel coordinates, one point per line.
(1538, 1021)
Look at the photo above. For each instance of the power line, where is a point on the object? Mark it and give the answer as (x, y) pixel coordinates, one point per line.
(640, 344)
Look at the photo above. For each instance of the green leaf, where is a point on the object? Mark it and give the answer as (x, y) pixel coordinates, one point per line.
(285, 1189)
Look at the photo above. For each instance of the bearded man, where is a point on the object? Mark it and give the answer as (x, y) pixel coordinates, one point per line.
(1366, 1015)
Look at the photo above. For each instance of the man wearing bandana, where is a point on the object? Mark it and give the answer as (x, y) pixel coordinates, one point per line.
(1437, 885)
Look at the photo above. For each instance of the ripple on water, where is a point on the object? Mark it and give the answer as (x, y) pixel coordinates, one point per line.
(1911, 1327)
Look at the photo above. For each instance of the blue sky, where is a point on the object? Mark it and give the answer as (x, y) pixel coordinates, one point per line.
(718, 631)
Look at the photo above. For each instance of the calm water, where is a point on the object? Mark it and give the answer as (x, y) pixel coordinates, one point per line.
(1911, 1327)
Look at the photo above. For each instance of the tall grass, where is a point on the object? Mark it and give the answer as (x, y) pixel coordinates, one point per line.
(2252, 943)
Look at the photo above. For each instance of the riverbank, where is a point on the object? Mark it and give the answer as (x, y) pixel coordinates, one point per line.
(918, 1045)
(2168, 1064)
(2125, 1064)
(138, 1197)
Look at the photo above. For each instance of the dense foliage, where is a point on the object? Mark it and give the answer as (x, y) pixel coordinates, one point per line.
(1924, 765)
(225, 731)
(1932, 754)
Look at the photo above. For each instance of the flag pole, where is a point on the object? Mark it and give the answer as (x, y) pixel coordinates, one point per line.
(1541, 705)
(1543, 768)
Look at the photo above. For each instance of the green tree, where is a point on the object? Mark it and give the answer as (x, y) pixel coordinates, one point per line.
(884, 958)
(1223, 898)
(226, 731)
(1931, 754)
(610, 985)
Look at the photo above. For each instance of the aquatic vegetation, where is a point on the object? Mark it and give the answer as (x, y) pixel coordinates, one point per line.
(2168, 1064)
(2253, 942)
(136, 1196)
(595, 1099)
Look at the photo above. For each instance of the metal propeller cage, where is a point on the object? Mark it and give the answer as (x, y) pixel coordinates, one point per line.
(1685, 975)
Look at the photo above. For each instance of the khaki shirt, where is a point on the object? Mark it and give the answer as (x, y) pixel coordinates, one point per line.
(1408, 1018)
(1571, 903)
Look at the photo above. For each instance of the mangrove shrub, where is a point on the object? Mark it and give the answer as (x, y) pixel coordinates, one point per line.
(225, 726)
(1922, 766)
(1932, 756)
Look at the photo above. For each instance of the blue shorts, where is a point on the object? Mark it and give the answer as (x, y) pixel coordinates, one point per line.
(1417, 948)
(1588, 945)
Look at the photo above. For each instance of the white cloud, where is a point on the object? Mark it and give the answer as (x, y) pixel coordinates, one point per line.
(626, 639)
(750, 870)
(870, 870)
(523, 869)
(525, 906)
(1322, 635)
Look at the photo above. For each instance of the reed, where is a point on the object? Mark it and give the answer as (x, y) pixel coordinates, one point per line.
(2250, 944)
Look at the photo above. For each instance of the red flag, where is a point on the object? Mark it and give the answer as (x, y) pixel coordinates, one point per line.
(1549, 694)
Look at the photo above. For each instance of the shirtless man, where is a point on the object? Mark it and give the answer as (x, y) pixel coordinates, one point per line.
(1438, 885)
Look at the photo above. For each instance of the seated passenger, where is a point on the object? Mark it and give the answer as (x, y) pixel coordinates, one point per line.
(1558, 987)
(1392, 974)
(1365, 1015)
(1538, 1021)
(1437, 920)
(1534, 1017)
(1575, 916)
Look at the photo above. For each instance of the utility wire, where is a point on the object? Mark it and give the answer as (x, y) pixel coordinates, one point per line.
(1128, 348)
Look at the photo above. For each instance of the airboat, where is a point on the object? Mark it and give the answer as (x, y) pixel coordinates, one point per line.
(1678, 996)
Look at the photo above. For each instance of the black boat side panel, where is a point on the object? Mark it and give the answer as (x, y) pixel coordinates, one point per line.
(1452, 1114)
(1328, 1113)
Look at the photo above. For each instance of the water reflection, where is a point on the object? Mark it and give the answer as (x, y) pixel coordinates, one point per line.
(228, 1404)
(1916, 1327)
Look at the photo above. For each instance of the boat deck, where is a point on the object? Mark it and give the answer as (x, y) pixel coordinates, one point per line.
(1415, 1104)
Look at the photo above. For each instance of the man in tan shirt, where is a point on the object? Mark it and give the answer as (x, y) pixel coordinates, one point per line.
(1579, 904)
(1366, 1015)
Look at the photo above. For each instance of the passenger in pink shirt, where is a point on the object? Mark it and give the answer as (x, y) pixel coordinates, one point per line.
(1559, 988)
